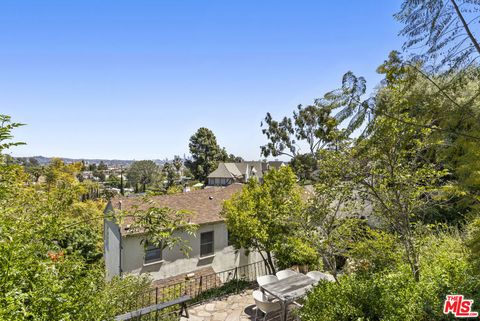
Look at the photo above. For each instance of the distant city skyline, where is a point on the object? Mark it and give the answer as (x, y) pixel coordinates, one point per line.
(135, 79)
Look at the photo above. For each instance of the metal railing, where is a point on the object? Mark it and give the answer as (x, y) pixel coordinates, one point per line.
(231, 280)
(200, 289)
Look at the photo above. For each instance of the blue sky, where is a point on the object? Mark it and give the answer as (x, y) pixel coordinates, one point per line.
(135, 79)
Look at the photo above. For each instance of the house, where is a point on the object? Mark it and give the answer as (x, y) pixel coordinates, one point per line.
(125, 251)
(229, 173)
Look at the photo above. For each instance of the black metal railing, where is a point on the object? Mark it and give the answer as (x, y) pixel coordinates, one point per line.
(201, 288)
(236, 278)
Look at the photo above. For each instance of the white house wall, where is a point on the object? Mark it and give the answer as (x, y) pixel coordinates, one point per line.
(175, 262)
(112, 244)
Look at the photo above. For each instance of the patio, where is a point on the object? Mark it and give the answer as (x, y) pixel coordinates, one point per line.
(231, 308)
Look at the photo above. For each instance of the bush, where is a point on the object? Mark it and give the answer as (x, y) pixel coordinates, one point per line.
(393, 294)
(295, 251)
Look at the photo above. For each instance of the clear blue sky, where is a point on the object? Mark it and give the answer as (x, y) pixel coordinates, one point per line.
(134, 79)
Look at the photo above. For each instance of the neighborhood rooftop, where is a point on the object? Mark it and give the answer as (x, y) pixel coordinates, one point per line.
(205, 205)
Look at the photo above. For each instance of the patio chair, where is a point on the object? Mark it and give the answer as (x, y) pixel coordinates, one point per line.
(317, 276)
(267, 307)
(283, 274)
(267, 279)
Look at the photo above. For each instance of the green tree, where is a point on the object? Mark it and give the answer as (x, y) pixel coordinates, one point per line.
(50, 244)
(263, 216)
(99, 174)
(113, 181)
(6, 127)
(33, 167)
(162, 226)
(142, 173)
(311, 127)
(206, 153)
(102, 166)
(170, 173)
(397, 181)
(178, 164)
(234, 159)
(333, 211)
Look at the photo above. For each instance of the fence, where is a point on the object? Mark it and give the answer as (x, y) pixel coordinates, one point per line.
(202, 288)
(197, 287)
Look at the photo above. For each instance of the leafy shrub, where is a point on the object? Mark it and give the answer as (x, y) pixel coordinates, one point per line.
(295, 251)
(473, 242)
(375, 251)
(393, 294)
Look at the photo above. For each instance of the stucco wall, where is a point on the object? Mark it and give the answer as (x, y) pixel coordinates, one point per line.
(175, 262)
(111, 245)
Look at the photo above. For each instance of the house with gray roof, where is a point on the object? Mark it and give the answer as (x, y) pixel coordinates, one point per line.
(229, 173)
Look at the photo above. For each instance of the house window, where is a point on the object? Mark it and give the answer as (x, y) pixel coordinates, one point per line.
(153, 253)
(206, 243)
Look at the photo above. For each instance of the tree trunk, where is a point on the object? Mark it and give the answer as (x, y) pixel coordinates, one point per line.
(265, 262)
(270, 262)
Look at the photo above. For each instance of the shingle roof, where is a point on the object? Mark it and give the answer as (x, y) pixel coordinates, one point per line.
(238, 170)
(205, 204)
(276, 164)
(224, 171)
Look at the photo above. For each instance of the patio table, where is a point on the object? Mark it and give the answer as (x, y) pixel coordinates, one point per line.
(289, 289)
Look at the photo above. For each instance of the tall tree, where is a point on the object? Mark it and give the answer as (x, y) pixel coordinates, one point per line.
(333, 210)
(311, 127)
(178, 164)
(142, 172)
(170, 173)
(397, 177)
(206, 153)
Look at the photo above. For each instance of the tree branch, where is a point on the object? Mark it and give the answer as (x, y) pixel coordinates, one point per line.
(465, 26)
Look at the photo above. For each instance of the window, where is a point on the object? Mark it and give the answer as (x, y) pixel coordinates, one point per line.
(153, 253)
(206, 243)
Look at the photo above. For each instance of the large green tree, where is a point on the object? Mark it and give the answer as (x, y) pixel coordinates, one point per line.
(142, 173)
(263, 217)
(205, 152)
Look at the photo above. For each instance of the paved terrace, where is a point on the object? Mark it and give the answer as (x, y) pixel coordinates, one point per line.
(231, 308)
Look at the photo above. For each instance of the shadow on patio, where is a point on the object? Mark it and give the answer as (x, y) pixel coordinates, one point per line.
(231, 308)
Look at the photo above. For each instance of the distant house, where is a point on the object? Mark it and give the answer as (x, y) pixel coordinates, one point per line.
(125, 252)
(229, 173)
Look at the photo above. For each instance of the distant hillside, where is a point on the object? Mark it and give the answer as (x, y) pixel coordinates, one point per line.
(109, 162)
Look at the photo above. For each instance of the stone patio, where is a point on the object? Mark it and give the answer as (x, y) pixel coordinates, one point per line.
(232, 308)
